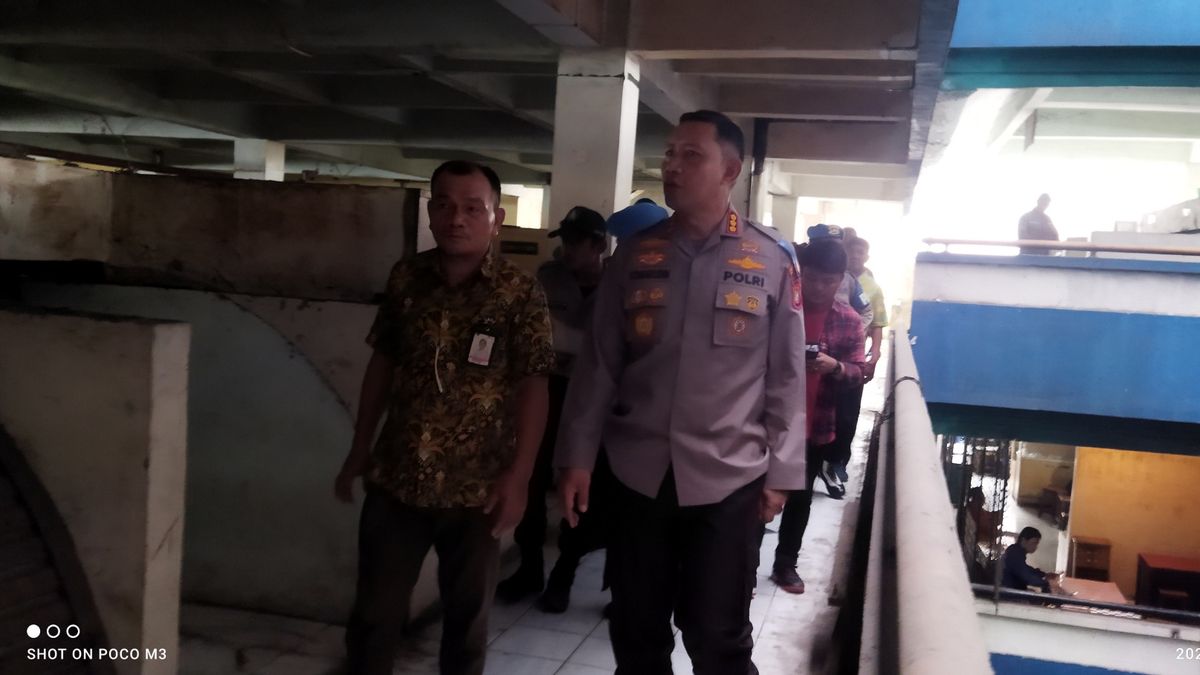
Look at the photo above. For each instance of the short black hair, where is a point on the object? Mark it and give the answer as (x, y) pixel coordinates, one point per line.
(1029, 533)
(824, 255)
(727, 130)
(462, 167)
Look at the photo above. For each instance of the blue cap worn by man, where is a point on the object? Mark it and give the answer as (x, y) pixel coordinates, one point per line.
(633, 219)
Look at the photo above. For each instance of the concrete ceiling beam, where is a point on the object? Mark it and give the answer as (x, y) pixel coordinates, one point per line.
(865, 29)
(883, 73)
(839, 141)
(128, 154)
(295, 87)
(393, 159)
(43, 119)
(1118, 125)
(1125, 99)
(577, 24)
(1014, 113)
(103, 91)
(671, 94)
(792, 102)
(497, 92)
(304, 28)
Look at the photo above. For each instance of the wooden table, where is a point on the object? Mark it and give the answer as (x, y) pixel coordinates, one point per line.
(1157, 571)
(1095, 591)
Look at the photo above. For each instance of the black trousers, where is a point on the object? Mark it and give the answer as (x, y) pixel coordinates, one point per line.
(798, 508)
(594, 528)
(393, 541)
(530, 535)
(849, 404)
(695, 561)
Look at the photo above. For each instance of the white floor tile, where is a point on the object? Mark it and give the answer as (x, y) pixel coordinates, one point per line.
(576, 669)
(580, 618)
(499, 663)
(595, 652)
(297, 664)
(547, 644)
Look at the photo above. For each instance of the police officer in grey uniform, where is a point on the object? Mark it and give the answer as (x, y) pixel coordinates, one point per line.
(693, 378)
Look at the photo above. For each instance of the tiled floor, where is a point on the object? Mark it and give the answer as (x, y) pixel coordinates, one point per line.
(526, 641)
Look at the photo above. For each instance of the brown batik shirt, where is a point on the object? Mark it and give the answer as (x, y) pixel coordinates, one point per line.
(459, 353)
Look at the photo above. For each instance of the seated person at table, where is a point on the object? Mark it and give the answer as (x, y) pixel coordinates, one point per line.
(1019, 574)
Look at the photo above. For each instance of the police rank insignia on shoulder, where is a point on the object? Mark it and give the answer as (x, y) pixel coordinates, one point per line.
(797, 294)
(732, 226)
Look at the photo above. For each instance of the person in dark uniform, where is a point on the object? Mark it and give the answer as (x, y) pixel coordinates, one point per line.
(570, 282)
(1019, 574)
(461, 353)
(1037, 226)
(693, 378)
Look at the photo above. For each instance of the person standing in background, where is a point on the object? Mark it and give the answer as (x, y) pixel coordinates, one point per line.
(834, 347)
(849, 398)
(1037, 226)
(570, 283)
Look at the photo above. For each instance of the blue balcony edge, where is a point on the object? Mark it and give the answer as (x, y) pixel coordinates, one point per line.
(1055, 262)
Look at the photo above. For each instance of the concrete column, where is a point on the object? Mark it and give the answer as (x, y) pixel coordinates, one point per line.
(760, 194)
(783, 215)
(595, 125)
(740, 197)
(256, 159)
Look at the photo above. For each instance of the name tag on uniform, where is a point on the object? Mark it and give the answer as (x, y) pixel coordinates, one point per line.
(481, 349)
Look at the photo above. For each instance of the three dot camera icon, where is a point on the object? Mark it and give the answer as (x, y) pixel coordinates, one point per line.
(53, 631)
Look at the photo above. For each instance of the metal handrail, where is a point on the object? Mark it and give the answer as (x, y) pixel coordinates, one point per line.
(926, 621)
(1160, 613)
(1068, 246)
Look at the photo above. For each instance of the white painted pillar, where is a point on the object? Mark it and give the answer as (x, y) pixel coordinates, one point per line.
(257, 159)
(783, 215)
(595, 125)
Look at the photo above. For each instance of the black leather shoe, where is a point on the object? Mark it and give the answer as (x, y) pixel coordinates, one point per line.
(522, 584)
(787, 579)
(556, 599)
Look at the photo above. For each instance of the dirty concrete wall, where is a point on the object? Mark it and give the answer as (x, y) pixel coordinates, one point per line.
(1142, 502)
(50, 212)
(296, 240)
(330, 335)
(268, 431)
(98, 406)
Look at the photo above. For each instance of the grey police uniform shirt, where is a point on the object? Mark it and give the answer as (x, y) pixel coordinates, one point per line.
(570, 312)
(695, 361)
